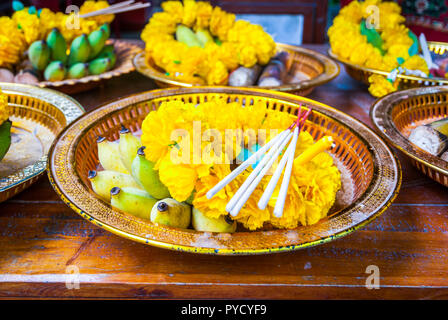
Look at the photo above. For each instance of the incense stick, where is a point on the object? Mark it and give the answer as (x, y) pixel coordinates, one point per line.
(116, 8)
(251, 160)
(280, 203)
(250, 189)
(254, 173)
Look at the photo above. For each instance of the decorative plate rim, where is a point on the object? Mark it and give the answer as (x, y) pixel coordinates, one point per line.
(71, 110)
(380, 116)
(385, 73)
(67, 140)
(331, 71)
(125, 68)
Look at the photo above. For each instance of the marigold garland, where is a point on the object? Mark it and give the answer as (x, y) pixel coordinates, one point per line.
(237, 43)
(397, 46)
(312, 189)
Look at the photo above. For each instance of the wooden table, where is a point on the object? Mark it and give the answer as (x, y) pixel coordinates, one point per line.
(40, 236)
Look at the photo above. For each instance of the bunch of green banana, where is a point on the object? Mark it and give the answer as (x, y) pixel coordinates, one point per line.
(88, 55)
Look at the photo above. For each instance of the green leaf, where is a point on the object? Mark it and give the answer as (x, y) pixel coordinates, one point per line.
(5, 138)
(373, 37)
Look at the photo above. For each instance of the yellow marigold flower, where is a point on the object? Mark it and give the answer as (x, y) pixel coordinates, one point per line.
(12, 42)
(203, 15)
(4, 109)
(380, 86)
(89, 6)
(180, 179)
(218, 74)
(174, 8)
(361, 53)
(189, 16)
(416, 63)
(221, 22)
(29, 24)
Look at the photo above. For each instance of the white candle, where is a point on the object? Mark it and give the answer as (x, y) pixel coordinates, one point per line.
(254, 173)
(252, 159)
(250, 189)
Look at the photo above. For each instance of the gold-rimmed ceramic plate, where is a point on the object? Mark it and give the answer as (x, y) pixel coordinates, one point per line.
(125, 51)
(362, 74)
(371, 173)
(308, 70)
(37, 116)
(396, 114)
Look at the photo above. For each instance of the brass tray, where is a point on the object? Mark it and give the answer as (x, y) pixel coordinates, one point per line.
(362, 74)
(372, 173)
(396, 114)
(125, 51)
(38, 115)
(308, 70)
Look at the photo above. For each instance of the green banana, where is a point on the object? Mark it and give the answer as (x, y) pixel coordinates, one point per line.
(133, 201)
(96, 39)
(58, 46)
(79, 50)
(143, 172)
(104, 181)
(187, 36)
(128, 146)
(39, 53)
(99, 65)
(203, 223)
(172, 213)
(55, 71)
(78, 70)
(106, 28)
(204, 36)
(5, 138)
(109, 156)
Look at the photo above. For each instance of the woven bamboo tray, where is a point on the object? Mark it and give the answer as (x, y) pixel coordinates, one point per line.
(313, 68)
(125, 51)
(362, 74)
(372, 174)
(396, 114)
(38, 115)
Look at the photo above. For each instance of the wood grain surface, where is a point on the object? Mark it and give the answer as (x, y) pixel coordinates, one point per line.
(40, 236)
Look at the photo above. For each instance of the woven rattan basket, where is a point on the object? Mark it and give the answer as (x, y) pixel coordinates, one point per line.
(370, 169)
(396, 114)
(313, 68)
(38, 115)
(362, 74)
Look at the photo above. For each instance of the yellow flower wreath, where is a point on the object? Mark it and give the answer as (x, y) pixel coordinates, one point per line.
(236, 43)
(313, 186)
(396, 48)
